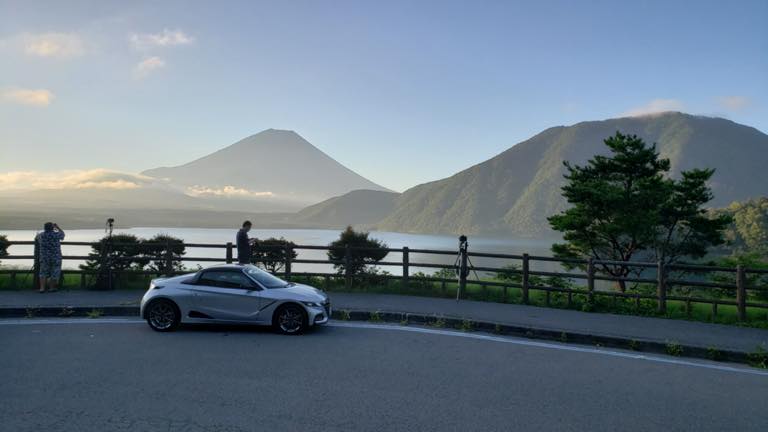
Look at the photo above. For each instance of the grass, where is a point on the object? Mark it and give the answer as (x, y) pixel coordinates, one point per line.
(24, 281)
(673, 348)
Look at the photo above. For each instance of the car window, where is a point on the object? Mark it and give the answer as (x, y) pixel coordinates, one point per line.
(264, 278)
(224, 279)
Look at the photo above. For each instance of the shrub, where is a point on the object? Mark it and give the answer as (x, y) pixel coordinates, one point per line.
(4, 244)
(154, 252)
(271, 253)
(123, 252)
(365, 251)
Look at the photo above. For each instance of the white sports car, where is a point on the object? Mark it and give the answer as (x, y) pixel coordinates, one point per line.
(234, 294)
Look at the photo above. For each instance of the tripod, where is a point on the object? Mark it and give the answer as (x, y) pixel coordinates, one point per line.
(104, 277)
(463, 265)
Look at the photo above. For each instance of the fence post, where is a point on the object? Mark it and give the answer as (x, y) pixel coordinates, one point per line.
(661, 287)
(347, 262)
(741, 293)
(526, 277)
(168, 258)
(591, 280)
(288, 251)
(36, 265)
(229, 253)
(406, 263)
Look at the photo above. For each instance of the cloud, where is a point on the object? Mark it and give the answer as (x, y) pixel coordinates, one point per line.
(163, 39)
(147, 66)
(72, 179)
(226, 191)
(655, 106)
(57, 45)
(33, 97)
(49, 45)
(734, 103)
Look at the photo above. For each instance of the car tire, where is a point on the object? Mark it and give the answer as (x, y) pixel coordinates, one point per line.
(290, 319)
(163, 315)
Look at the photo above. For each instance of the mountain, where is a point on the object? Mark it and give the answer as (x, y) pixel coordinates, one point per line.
(514, 192)
(359, 207)
(272, 163)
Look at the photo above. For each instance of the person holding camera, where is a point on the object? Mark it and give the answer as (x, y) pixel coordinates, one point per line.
(244, 244)
(49, 244)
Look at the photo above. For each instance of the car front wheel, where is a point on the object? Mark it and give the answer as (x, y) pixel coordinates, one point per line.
(290, 319)
(163, 315)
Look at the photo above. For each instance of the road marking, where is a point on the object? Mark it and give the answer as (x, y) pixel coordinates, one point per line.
(563, 347)
(423, 330)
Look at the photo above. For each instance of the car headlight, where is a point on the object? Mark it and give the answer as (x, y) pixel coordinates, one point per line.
(312, 304)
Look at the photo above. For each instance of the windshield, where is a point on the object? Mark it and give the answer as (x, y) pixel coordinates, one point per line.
(264, 278)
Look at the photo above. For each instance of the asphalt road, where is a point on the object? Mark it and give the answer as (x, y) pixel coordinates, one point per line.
(101, 375)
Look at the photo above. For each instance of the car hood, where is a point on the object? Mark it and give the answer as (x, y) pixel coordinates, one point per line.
(304, 293)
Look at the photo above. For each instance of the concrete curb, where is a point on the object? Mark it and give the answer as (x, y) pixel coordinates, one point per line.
(565, 336)
(437, 321)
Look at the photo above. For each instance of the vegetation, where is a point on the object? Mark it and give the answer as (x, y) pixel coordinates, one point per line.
(748, 234)
(125, 252)
(155, 251)
(367, 251)
(122, 252)
(272, 253)
(624, 207)
(758, 358)
(4, 244)
(673, 348)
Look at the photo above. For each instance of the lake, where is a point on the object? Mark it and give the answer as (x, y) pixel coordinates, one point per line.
(301, 237)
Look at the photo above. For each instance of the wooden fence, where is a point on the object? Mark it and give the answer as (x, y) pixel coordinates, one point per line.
(740, 292)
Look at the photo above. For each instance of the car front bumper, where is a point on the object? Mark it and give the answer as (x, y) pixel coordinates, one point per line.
(319, 315)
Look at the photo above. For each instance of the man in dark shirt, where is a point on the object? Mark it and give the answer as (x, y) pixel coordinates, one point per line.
(244, 244)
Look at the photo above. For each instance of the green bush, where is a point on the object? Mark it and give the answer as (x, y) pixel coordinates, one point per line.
(272, 253)
(359, 259)
(154, 252)
(122, 252)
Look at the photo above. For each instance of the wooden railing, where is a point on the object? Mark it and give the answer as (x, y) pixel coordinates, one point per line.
(742, 295)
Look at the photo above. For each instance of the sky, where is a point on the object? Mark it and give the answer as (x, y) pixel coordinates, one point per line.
(401, 92)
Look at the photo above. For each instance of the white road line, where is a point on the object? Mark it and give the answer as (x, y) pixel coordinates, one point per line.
(423, 330)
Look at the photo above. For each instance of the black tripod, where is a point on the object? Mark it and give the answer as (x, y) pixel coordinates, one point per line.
(463, 265)
(104, 277)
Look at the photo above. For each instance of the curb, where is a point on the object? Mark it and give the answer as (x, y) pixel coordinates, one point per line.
(437, 321)
(564, 336)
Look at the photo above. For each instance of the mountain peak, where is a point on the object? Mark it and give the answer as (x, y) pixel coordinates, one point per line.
(273, 162)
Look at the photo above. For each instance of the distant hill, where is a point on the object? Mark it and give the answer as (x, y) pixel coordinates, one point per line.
(514, 192)
(360, 207)
(275, 163)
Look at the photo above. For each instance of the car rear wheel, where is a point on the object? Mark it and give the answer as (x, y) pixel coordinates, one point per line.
(290, 319)
(163, 315)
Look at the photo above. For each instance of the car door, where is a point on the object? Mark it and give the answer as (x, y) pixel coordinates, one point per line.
(227, 295)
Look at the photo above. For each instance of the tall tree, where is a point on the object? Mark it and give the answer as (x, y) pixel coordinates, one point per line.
(624, 208)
